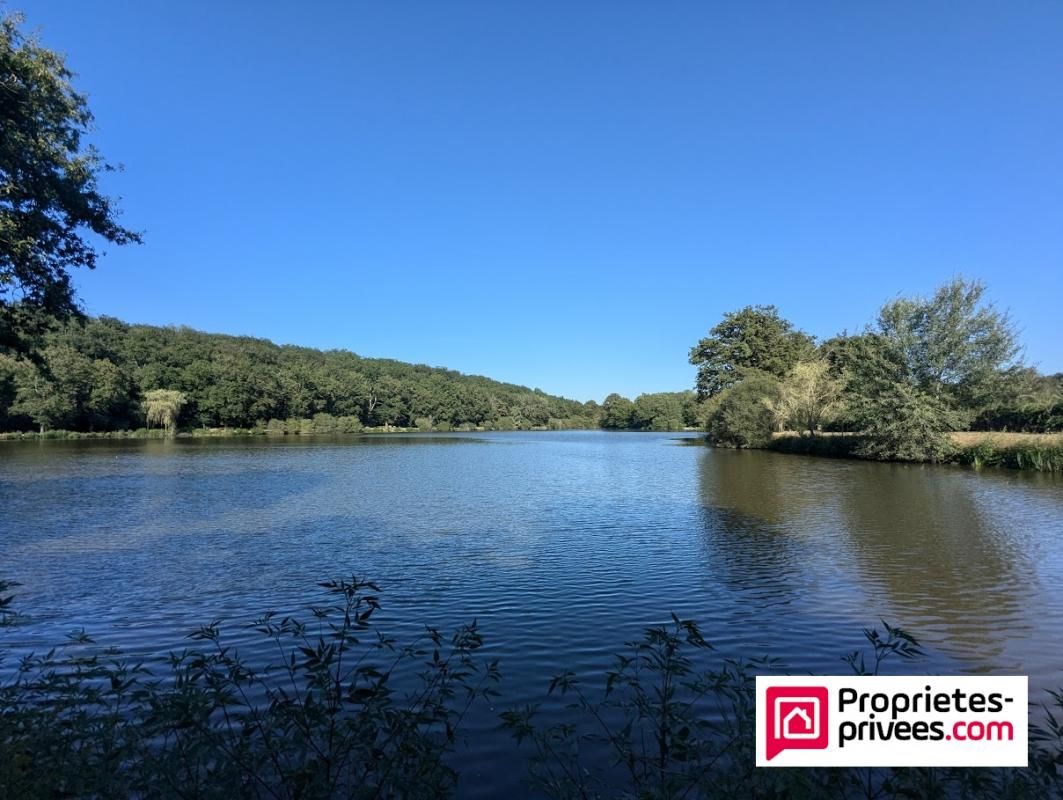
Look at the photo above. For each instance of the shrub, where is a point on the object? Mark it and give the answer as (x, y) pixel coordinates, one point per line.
(323, 721)
(662, 729)
(902, 423)
(349, 424)
(744, 417)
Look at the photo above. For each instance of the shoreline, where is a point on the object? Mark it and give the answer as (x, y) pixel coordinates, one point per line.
(1035, 452)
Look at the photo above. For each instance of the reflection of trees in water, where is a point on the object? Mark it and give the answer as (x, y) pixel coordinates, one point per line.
(768, 544)
(919, 533)
(831, 536)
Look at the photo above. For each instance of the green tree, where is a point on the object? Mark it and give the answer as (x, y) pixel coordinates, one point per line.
(617, 412)
(928, 366)
(953, 345)
(808, 396)
(661, 411)
(163, 407)
(49, 193)
(743, 416)
(753, 338)
(897, 419)
(55, 394)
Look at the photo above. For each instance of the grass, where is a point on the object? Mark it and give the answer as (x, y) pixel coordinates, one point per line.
(1005, 439)
(1041, 452)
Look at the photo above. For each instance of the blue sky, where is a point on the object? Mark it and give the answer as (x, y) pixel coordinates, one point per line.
(568, 195)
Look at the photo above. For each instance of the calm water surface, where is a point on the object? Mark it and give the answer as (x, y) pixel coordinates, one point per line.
(562, 545)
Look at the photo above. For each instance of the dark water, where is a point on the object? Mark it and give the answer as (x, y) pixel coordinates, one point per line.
(562, 545)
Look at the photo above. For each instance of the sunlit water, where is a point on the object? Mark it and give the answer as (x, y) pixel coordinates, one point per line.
(562, 545)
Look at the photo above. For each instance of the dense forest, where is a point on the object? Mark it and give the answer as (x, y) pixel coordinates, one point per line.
(104, 375)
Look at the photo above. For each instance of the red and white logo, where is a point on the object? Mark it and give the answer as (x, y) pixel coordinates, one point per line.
(891, 720)
(797, 719)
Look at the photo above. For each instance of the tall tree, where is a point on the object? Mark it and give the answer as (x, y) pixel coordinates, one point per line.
(617, 412)
(50, 201)
(753, 338)
(952, 345)
(926, 368)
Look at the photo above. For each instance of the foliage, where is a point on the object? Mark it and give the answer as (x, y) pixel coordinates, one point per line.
(753, 338)
(952, 346)
(50, 200)
(808, 396)
(164, 407)
(831, 445)
(662, 728)
(323, 721)
(617, 412)
(328, 718)
(95, 375)
(927, 368)
(744, 416)
(664, 411)
(1033, 456)
(1031, 403)
(902, 423)
(659, 411)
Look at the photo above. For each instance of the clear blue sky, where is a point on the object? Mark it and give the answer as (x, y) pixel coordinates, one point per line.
(568, 195)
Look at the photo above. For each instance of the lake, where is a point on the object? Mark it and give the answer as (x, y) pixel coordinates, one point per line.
(563, 545)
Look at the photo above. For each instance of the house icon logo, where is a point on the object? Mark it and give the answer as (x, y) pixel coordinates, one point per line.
(796, 719)
(792, 730)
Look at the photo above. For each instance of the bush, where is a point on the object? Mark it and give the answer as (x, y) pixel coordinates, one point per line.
(743, 417)
(322, 722)
(901, 423)
(661, 729)
(349, 424)
(1027, 419)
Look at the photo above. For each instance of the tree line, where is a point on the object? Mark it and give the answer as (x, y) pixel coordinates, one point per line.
(926, 366)
(105, 375)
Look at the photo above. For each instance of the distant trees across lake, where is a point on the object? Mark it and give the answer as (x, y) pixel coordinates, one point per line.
(101, 374)
(105, 375)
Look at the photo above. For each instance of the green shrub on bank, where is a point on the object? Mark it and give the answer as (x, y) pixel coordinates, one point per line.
(1034, 456)
(829, 445)
(743, 417)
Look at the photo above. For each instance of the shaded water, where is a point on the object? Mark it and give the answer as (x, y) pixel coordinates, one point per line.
(562, 545)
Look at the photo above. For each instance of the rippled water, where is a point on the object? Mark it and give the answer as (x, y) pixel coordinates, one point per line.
(562, 545)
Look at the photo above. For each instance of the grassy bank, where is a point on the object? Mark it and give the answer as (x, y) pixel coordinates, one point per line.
(1042, 452)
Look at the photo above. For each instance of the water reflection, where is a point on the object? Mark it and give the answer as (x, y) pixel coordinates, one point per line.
(949, 553)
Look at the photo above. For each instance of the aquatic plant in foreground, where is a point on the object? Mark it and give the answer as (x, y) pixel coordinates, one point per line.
(327, 719)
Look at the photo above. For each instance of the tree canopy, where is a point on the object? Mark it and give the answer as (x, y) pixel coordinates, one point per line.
(927, 366)
(753, 338)
(52, 211)
(97, 374)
